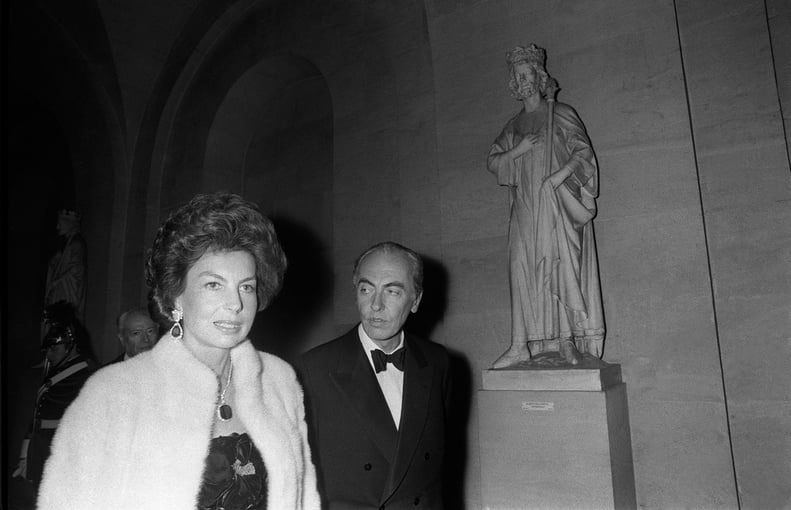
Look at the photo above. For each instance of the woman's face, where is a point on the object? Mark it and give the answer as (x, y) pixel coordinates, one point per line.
(219, 300)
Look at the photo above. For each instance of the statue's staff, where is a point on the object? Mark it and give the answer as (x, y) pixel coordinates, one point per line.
(552, 89)
(567, 347)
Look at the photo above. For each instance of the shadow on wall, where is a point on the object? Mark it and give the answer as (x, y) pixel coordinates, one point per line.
(456, 454)
(423, 323)
(435, 299)
(284, 327)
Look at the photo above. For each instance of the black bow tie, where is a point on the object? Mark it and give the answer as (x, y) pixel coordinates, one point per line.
(381, 359)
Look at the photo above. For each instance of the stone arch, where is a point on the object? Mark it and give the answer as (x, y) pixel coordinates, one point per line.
(65, 91)
(246, 116)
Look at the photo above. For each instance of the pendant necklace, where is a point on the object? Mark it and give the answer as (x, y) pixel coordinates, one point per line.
(224, 411)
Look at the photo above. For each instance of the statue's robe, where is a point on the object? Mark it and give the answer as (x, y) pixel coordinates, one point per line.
(554, 277)
(66, 275)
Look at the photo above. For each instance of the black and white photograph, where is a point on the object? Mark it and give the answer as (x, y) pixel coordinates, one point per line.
(396, 254)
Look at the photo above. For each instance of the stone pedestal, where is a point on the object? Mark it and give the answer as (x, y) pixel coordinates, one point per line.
(555, 438)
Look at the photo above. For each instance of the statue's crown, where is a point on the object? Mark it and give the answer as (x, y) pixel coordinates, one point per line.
(69, 215)
(532, 55)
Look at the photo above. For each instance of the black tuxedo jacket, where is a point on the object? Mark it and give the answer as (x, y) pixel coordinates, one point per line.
(362, 460)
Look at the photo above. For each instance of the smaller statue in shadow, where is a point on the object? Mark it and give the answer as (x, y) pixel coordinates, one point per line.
(66, 272)
(545, 159)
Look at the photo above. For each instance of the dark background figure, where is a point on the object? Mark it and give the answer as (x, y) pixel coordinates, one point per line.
(64, 313)
(377, 398)
(66, 368)
(137, 332)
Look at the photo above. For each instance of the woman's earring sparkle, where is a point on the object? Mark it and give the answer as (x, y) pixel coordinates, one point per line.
(177, 331)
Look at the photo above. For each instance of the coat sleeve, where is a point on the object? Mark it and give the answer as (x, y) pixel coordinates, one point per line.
(578, 151)
(310, 494)
(293, 398)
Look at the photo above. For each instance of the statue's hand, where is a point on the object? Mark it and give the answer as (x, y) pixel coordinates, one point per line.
(553, 180)
(557, 178)
(524, 146)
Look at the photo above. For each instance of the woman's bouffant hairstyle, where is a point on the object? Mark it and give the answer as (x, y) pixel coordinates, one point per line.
(218, 222)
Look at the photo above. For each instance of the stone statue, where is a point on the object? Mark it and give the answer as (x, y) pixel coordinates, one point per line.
(67, 268)
(553, 182)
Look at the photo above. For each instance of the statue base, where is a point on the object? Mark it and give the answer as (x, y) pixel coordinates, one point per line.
(555, 438)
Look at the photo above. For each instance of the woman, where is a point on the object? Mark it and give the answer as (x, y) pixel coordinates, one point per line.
(203, 420)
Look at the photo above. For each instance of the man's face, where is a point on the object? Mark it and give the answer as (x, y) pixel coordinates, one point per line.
(138, 333)
(385, 295)
(525, 78)
(56, 353)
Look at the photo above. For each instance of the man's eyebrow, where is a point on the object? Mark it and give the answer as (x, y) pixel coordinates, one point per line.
(396, 283)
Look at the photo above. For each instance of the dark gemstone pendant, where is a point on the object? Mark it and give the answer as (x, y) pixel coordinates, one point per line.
(224, 412)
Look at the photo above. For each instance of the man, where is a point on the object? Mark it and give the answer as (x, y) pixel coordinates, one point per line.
(555, 297)
(377, 421)
(65, 371)
(136, 332)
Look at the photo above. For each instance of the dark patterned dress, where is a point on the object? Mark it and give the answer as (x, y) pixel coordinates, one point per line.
(235, 477)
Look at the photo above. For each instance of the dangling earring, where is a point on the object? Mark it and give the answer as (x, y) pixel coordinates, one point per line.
(176, 331)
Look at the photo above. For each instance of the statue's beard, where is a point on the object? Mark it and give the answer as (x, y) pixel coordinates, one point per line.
(526, 91)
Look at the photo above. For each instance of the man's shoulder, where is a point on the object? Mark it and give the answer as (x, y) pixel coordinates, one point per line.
(409, 337)
(331, 347)
(432, 350)
(80, 367)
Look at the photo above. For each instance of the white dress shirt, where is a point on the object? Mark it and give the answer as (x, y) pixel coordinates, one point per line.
(391, 381)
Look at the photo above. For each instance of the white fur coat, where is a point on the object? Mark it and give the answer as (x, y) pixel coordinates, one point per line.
(138, 435)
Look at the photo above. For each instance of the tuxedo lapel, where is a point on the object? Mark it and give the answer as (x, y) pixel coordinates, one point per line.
(418, 377)
(356, 381)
